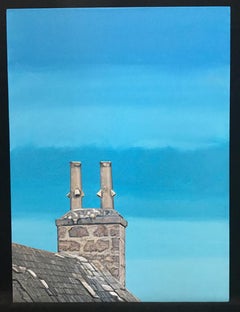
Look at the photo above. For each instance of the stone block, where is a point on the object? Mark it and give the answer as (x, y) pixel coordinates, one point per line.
(114, 232)
(65, 245)
(78, 231)
(100, 245)
(115, 243)
(62, 231)
(89, 246)
(101, 231)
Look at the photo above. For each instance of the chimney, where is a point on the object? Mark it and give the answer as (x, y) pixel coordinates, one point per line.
(97, 234)
(106, 193)
(76, 192)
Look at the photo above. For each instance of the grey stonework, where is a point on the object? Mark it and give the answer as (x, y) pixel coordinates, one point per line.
(95, 238)
(68, 245)
(78, 231)
(100, 245)
(101, 231)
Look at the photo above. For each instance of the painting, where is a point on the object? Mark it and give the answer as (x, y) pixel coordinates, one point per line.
(147, 88)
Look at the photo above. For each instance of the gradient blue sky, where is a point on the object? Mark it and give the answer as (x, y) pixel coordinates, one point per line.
(148, 89)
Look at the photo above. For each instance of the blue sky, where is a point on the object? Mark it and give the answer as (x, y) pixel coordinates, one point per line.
(148, 89)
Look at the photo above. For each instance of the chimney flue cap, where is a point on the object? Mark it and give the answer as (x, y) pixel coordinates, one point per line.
(106, 163)
(75, 163)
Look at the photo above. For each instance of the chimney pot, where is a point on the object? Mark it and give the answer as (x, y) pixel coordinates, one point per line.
(76, 192)
(106, 192)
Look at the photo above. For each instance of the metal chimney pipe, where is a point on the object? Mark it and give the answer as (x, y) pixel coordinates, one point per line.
(106, 193)
(76, 192)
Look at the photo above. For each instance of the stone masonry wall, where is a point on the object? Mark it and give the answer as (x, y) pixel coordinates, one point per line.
(101, 242)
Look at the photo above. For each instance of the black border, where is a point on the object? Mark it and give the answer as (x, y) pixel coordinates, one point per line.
(5, 197)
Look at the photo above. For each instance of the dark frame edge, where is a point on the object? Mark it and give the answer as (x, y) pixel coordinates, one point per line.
(234, 155)
(18, 4)
(5, 192)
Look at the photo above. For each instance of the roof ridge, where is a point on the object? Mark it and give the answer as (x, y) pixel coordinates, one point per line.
(33, 248)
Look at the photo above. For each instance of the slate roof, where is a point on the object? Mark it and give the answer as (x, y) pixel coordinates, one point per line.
(42, 276)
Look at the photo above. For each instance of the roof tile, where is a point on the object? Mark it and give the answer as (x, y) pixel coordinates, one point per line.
(42, 276)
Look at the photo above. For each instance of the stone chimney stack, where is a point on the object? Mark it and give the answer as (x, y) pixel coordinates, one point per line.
(106, 192)
(97, 234)
(76, 194)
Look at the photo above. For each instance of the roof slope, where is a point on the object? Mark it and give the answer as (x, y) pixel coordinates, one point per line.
(42, 276)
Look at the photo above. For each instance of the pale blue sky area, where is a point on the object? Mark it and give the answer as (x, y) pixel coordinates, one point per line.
(166, 260)
(148, 89)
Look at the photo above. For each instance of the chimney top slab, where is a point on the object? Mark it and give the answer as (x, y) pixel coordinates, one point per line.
(92, 216)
